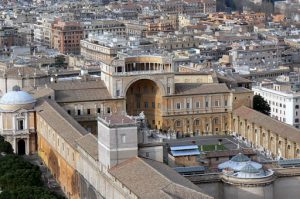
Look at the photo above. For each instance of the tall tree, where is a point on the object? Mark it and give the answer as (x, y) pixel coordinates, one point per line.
(261, 105)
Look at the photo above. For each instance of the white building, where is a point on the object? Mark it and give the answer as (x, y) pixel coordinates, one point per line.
(284, 102)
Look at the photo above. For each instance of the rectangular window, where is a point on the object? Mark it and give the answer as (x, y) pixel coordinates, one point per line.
(108, 109)
(118, 93)
(20, 124)
(88, 111)
(69, 112)
(146, 105)
(225, 102)
(123, 138)
(98, 110)
(78, 112)
(187, 105)
(197, 104)
(153, 104)
(168, 90)
(206, 104)
(216, 103)
(178, 105)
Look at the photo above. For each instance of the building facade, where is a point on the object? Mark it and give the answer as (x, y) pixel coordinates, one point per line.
(66, 36)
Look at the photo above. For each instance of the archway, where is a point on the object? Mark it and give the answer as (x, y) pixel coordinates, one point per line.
(145, 95)
(21, 147)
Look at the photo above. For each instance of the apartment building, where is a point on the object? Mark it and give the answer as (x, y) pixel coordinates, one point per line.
(101, 26)
(66, 36)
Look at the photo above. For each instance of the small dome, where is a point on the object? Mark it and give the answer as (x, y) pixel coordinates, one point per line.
(249, 168)
(240, 158)
(16, 98)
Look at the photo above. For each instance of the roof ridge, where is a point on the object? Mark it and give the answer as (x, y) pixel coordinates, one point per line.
(267, 117)
(51, 103)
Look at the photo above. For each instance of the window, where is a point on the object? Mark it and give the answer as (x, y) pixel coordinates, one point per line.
(197, 104)
(153, 104)
(69, 112)
(88, 111)
(216, 120)
(178, 123)
(297, 107)
(188, 105)
(296, 120)
(146, 105)
(178, 105)
(217, 103)
(123, 138)
(108, 110)
(78, 112)
(168, 90)
(197, 122)
(98, 110)
(118, 93)
(225, 102)
(206, 104)
(20, 124)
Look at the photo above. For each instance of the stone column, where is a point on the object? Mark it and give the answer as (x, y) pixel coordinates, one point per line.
(27, 146)
(210, 125)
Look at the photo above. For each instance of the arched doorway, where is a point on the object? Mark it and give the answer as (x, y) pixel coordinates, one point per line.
(145, 95)
(21, 147)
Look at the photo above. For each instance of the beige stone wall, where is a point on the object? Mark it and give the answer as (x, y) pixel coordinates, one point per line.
(193, 78)
(242, 99)
(59, 157)
(265, 139)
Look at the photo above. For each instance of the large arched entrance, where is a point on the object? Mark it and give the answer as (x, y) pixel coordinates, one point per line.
(21, 147)
(145, 95)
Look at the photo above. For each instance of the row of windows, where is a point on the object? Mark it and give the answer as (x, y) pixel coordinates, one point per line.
(88, 111)
(197, 104)
(197, 122)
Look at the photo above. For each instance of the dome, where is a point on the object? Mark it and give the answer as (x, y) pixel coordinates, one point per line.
(238, 162)
(249, 168)
(240, 158)
(16, 98)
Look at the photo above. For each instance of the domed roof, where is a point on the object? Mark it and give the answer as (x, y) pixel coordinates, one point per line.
(238, 162)
(240, 158)
(249, 168)
(16, 97)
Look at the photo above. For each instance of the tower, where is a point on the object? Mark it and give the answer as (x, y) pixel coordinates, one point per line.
(117, 139)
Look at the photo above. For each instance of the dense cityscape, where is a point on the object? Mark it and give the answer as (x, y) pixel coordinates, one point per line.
(149, 99)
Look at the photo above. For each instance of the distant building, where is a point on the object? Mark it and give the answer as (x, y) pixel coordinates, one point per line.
(66, 36)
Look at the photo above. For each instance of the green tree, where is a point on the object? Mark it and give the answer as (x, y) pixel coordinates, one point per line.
(5, 146)
(261, 105)
(60, 61)
(27, 192)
